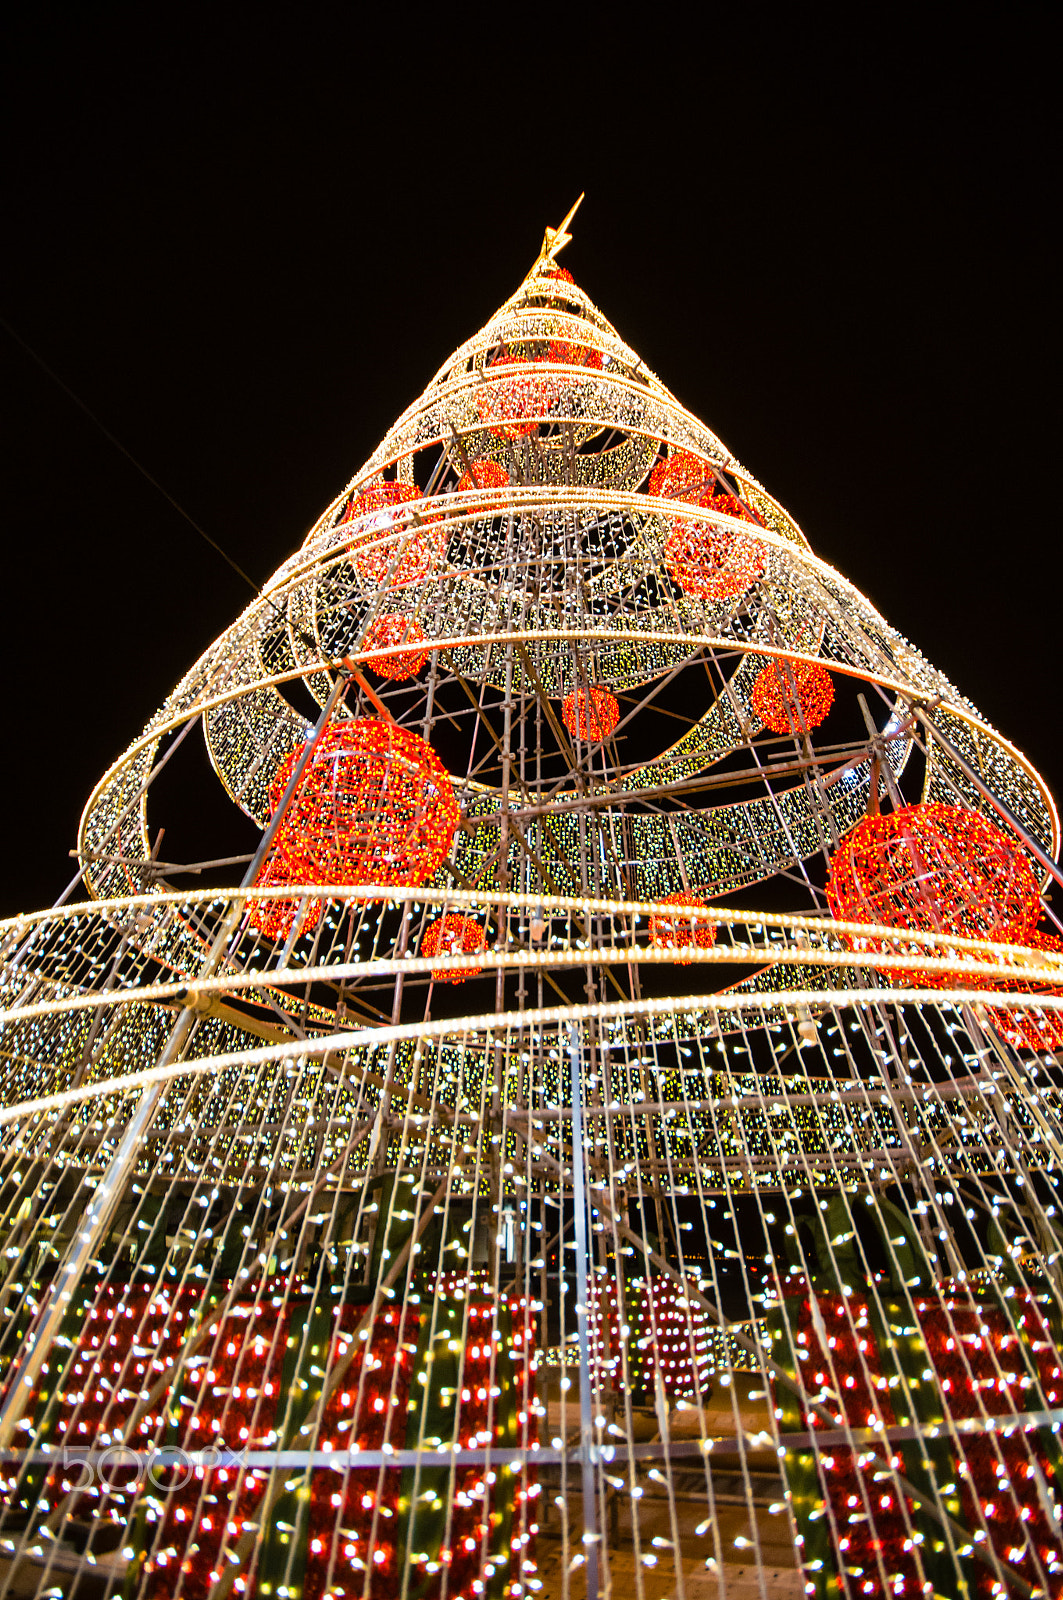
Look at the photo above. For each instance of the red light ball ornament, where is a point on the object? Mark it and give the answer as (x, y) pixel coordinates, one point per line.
(936, 868)
(558, 275)
(590, 714)
(375, 805)
(390, 629)
(682, 476)
(682, 932)
(482, 475)
(572, 354)
(706, 563)
(712, 563)
(413, 548)
(453, 935)
(791, 695)
(506, 406)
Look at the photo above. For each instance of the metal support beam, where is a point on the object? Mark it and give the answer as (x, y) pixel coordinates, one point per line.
(587, 1450)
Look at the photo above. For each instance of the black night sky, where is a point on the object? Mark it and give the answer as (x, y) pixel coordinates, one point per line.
(246, 239)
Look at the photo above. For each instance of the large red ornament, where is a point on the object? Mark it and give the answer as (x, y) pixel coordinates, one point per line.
(936, 868)
(712, 563)
(708, 563)
(590, 714)
(453, 935)
(791, 695)
(505, 406)
(559, 275)
(482, 475)
(682, 932)
(392, 629)
(682, 476)
(573, 354)
(413, 549)
(375, 806)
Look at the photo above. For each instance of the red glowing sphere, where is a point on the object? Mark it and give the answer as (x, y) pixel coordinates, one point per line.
(391, 629)
(375, 805)
(482, 475)
(712, 563)
(938, 869)
(505, 404)
(682, 476)
(590, 714)
(572, 354)
(391, 547)
(707, 563)
(453, 934)
(513, 407)
(791, 695)
(682, 932)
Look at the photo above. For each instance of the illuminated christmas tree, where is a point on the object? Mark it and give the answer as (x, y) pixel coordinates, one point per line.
(478, 1199)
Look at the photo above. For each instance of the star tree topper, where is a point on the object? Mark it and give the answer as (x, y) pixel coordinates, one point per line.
(555, 239)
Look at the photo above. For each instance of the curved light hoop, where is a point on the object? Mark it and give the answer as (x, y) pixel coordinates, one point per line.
(493, 961)
(945, 781)
(943, 950)
(516, 312)
(574, 500)
(290, 729)
(162, 725)
(516, 322)
(448, 512)
(558, 960)
(328, 524)
(773, 834)
(492, 1023)
(249, 630)
(17, 927)
(409, 434)
(606, 471)
(619, 574)
(666, 508)
(531, 498)
(140, 753)
(498, 505)
(287, 730)
(705, 749)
